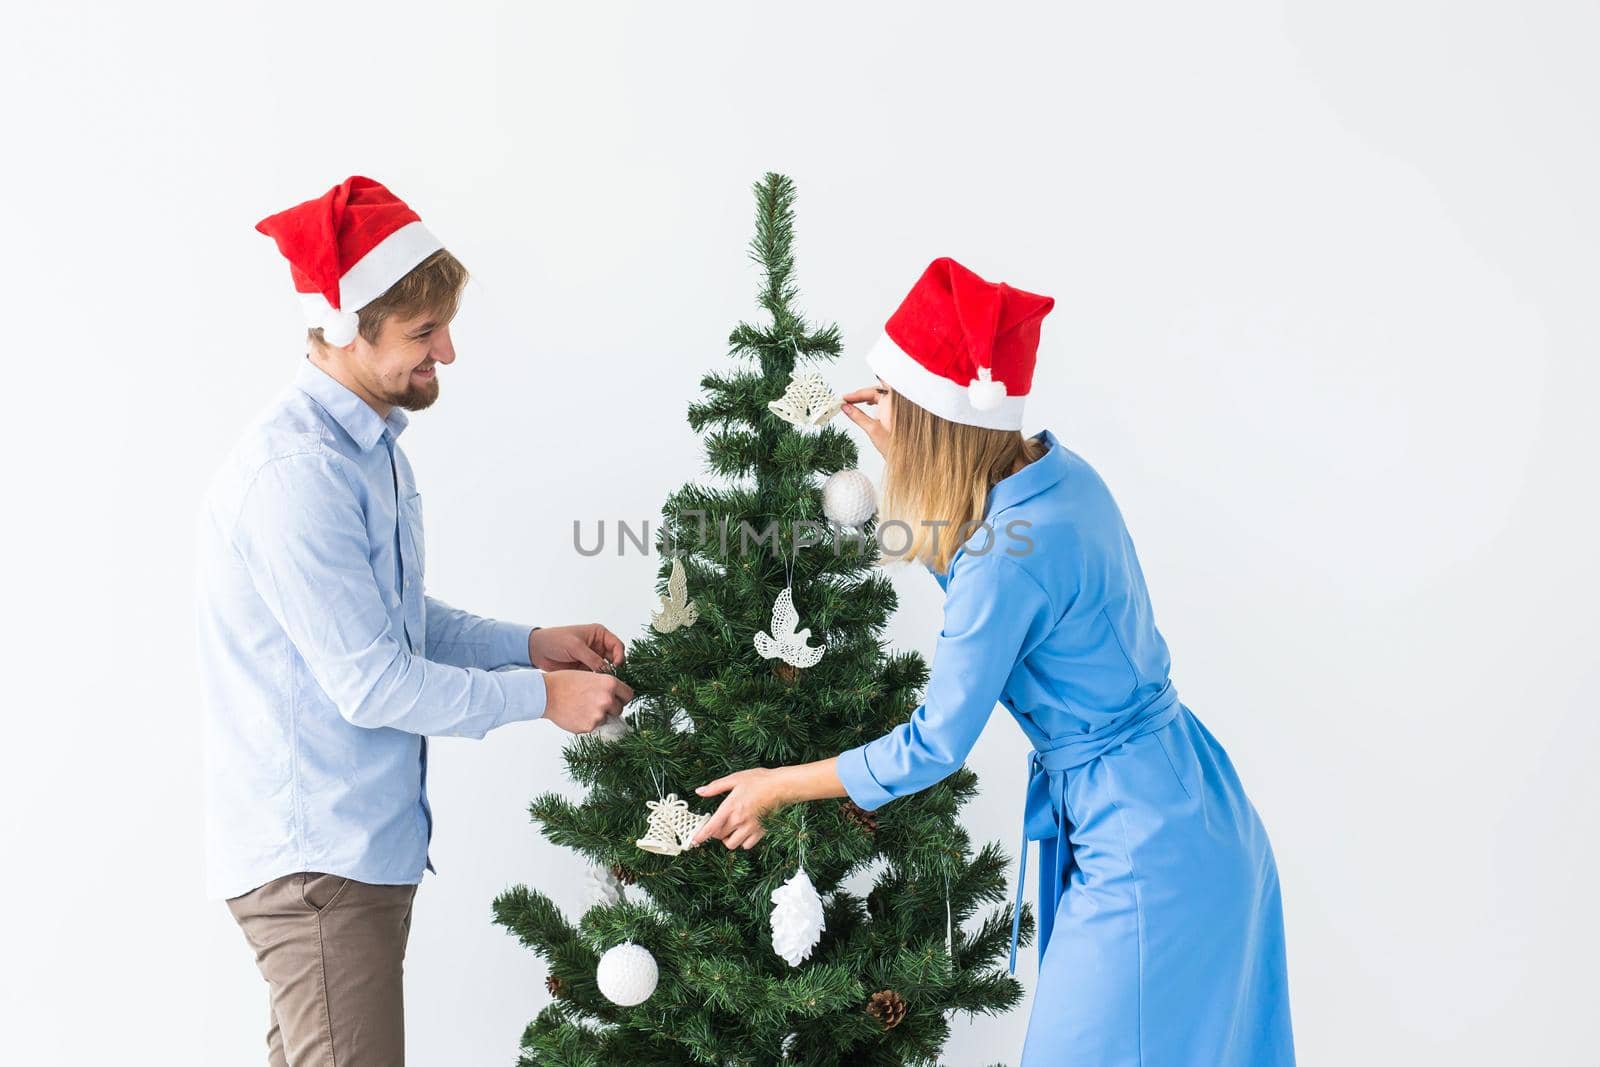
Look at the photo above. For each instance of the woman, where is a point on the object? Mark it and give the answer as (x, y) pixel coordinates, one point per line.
(1160, 923)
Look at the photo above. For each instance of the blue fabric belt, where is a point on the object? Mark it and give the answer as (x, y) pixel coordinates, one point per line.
(1044, 806)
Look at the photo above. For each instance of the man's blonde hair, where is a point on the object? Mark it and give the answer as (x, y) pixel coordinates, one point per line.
(431, 287)
(937, 477)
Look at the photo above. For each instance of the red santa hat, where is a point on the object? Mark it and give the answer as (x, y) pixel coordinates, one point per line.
(961, 347)
(345, 249)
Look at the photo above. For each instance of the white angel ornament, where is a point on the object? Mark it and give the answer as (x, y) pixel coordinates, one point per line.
(786, 642)
(676, 607)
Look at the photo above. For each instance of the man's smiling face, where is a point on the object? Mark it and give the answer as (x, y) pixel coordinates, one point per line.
(401, 368)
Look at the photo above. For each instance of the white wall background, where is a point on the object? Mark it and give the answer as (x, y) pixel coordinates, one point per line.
(1326, 322)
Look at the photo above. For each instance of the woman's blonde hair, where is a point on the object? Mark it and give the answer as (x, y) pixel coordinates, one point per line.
(937, 476)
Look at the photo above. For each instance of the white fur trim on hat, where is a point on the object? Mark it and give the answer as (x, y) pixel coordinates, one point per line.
(389, 260)
(369, 278)
(940, 395)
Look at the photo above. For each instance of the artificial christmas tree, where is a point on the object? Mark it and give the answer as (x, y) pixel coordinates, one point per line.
(730, 683)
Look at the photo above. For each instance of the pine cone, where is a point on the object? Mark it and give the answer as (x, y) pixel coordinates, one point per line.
(863, 818)
(623, 875)
(553, 984)
(787, 671)
(888, 1007)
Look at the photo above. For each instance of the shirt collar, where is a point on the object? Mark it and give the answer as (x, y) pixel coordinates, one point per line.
(353, 414)
(1031, 480)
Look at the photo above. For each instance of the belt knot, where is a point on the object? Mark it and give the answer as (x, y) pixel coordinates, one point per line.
(1044, 803)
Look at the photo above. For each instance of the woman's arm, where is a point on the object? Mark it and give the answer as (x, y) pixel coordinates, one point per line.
(754, 792)
(994, 613)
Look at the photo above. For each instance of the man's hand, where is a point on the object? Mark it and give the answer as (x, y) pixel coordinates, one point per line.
(578, 701)
(751, 794)
(588, 646)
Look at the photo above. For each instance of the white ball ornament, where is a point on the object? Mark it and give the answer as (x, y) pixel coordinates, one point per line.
(848, 498)
(627, 974)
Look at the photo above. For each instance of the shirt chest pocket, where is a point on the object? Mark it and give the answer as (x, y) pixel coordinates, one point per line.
(412, 546)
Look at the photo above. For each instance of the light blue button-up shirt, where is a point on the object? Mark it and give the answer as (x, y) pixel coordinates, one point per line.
(323, 664)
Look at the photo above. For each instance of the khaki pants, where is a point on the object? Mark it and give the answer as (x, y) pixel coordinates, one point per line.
(331, 950)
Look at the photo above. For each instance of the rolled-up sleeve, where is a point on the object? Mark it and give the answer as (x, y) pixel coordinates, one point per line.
(994, 612)
(463, 639)
(302, 537)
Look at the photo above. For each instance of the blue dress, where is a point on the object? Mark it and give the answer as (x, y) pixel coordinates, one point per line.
(1160, 922)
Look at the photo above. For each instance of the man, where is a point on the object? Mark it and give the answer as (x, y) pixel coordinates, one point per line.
(324, 665)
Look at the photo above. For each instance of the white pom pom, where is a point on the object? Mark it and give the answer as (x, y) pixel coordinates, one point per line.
(627, 974)
(984, 394)
(848, 498)
(796, 918)
(339, 327)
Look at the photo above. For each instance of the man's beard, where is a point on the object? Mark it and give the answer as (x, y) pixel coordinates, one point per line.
(415, 397)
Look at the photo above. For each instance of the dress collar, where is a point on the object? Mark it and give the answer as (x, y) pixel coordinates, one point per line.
(353, 414)
(1031, 480)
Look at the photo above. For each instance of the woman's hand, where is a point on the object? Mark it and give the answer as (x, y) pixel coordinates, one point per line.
(751, 794)
(877, 430)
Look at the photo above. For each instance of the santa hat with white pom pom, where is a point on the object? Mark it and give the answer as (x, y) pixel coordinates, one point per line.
(963, 348)
(345, 249)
